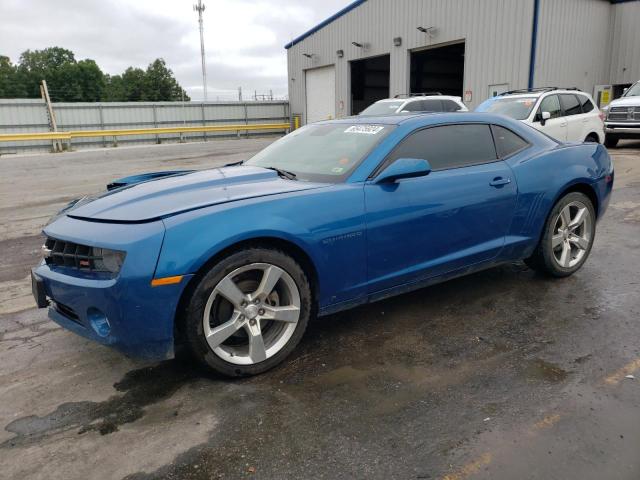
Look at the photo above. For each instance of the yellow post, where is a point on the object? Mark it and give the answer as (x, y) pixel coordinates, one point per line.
(296, 122)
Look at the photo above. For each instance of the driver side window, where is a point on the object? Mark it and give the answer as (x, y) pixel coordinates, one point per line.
(549, 104)
(447, 146)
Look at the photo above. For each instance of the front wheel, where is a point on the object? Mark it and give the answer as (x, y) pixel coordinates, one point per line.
(567, 238)
(610, 141)
(248, 312)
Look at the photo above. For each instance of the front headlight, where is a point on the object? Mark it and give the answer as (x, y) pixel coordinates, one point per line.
(107, 260)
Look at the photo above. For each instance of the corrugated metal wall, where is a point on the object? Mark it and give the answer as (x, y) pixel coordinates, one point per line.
(573, 44)
(625, 51)
(575, 41)
(28, 115)
(497, 35)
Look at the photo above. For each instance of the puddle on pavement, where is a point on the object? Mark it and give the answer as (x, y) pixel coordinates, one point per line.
(140, 388)
(539, 369)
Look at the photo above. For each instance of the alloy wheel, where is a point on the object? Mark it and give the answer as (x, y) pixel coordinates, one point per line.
(572, 235)
(251, 313)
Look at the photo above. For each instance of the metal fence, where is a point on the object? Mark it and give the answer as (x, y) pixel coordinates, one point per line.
(30, 115)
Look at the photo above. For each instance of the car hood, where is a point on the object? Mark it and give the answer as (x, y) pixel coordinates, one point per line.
(626, 102)
(161, 198)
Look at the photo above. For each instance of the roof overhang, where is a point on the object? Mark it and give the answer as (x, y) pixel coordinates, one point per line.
(321, 25)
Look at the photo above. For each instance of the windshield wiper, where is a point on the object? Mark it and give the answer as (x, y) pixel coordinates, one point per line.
(283, 173)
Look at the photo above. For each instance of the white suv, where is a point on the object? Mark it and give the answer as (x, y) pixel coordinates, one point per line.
(416, 102)
(568, 115)
(623, 117)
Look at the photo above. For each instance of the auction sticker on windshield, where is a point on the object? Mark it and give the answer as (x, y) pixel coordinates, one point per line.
(366, 129)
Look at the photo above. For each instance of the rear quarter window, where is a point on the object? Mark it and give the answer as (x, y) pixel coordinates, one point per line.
(507, 142)
(587, 105)
(450, 106)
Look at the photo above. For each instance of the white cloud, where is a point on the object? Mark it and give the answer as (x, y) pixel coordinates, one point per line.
(244, 39)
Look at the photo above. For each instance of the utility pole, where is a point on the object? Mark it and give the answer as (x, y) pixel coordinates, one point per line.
(44, 91)
(199, 7)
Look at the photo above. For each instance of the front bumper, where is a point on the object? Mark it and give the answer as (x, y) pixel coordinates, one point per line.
(623, 130)
(140, 317)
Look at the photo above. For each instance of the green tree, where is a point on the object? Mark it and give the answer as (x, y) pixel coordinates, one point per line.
(69, 80)
(114, 89)
(160, 84)
(55, 65)
(133, 84)
(10, 86)
(91, 81)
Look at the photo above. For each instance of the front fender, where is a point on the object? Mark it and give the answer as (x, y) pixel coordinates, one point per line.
(327, 224)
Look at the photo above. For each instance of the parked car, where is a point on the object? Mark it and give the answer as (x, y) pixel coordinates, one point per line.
(232, 262)
(623, 117)
(568, 115)
(415, 102)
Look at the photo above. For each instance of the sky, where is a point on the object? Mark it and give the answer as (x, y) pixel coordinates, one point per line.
(244, 39)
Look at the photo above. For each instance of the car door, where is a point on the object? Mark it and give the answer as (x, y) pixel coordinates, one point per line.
(576, 120)
(556, 126)
(456, 216)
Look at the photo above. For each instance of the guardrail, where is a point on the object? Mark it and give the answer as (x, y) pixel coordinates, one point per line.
(68, 136)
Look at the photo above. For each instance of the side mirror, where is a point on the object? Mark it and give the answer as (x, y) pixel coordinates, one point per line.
(545, 116)
(625, 90)
(404, 168)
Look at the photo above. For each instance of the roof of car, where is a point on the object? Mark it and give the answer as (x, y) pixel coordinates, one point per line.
(539, 93)
(418, 97)
(435, 117)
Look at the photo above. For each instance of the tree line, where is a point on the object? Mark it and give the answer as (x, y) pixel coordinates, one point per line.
(71, 80)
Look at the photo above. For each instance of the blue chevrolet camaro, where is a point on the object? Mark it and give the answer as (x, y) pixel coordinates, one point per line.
(232, 262)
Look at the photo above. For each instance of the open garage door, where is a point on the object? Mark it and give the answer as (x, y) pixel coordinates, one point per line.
(321, 93)
(369, 81)
(438, 69)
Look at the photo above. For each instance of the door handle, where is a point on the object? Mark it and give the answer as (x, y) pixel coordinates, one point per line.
(499, 181)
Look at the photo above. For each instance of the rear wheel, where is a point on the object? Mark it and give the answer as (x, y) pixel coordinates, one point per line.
(592, 138)
(610, 141)
(568, 237)
(248, 312)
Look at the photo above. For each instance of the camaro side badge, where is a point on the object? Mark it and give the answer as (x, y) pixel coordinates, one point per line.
(346, 236)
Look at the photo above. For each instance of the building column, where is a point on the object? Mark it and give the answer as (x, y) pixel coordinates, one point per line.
(399, 71)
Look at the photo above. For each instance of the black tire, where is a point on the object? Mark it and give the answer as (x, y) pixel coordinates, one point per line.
(592, 138)
(543, 258)
(610, 141)
(194, 311)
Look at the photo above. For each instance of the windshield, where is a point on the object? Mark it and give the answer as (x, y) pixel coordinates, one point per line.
(514, 107)
(634, 90)
(322, 153)
(382, 108)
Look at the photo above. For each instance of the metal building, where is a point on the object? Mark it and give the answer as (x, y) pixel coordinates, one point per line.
(375, 49)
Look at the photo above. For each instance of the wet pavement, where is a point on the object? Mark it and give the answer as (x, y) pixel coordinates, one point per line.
(500, 375)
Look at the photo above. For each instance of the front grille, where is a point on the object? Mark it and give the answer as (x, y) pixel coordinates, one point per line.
(624, 114)
(68, 254)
